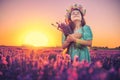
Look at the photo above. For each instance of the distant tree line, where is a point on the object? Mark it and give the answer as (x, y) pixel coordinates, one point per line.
(98, 47)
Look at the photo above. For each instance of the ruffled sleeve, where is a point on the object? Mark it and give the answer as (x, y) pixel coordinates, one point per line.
(63, 38)
(87, 33)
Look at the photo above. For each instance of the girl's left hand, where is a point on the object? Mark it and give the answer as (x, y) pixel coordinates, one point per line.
(72, 37)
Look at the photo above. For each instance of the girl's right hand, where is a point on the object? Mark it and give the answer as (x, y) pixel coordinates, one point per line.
(77, 35)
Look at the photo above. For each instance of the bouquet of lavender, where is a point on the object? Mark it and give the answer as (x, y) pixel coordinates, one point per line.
(65, 29)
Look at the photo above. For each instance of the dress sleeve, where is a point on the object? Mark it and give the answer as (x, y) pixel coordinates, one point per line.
(87, 33)
(63, 38)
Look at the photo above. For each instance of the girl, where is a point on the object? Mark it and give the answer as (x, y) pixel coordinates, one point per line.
(77, 42)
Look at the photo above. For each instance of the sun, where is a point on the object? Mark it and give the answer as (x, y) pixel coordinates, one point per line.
(36, 39)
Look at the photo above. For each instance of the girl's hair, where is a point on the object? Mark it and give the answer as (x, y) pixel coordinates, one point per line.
(71, 24)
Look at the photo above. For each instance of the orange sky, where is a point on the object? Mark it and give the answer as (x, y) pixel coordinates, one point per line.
(29, 21)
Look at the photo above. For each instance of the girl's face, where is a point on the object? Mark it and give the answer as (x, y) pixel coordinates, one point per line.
(76, 15)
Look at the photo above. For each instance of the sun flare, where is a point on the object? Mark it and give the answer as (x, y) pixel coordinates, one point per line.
(36, 39)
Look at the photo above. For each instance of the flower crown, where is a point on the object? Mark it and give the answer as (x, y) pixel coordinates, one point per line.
(73, 7)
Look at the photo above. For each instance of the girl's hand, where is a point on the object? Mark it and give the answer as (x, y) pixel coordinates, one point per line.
(73, 37)
(77, 35)
(70, 38)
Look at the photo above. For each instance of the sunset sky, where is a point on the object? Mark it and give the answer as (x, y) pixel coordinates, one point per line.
(29, 21)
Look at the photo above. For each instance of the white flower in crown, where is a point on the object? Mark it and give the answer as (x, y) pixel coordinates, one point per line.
(79, 7)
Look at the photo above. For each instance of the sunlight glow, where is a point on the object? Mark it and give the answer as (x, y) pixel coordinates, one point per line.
(36, 39)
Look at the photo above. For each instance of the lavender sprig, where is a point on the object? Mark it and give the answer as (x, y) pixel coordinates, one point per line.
(64, 28)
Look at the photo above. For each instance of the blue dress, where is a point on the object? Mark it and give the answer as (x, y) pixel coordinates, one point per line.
(80, 50)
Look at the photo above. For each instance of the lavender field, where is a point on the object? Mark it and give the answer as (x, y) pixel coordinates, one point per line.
(18, 63)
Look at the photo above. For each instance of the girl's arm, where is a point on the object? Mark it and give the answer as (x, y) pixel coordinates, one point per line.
(87, 41)
(70, 39)
(83, 42)
(67, 42)
(80, 41)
